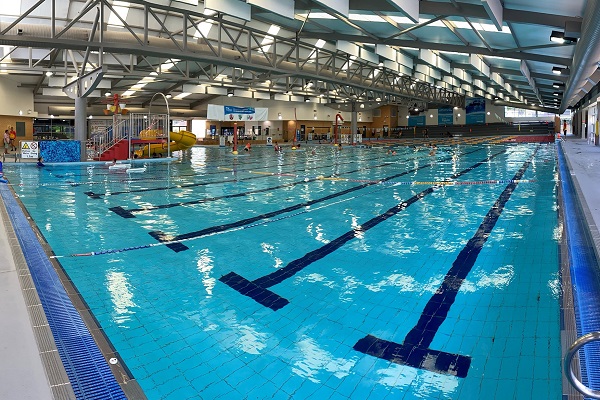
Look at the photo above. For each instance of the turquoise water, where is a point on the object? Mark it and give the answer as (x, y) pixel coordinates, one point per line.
(186, 334)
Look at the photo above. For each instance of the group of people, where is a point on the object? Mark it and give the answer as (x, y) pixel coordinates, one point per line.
(9, 140)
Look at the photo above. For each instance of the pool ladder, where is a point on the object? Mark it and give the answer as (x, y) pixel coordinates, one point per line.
(579, 343)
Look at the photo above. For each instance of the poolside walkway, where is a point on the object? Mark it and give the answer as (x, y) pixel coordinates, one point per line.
(22, 372)
(584, 164)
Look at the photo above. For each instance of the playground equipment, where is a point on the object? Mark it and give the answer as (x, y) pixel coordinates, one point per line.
(138, 134)
(181, 140)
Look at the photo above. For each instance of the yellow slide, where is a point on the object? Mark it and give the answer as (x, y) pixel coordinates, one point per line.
(181, 140)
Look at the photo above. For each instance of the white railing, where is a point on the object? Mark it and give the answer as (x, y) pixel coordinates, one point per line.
(106, 139)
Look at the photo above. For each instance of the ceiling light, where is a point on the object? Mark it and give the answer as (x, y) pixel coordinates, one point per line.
(49, 73)
(108, 94)
(315, 116)
(229, 92)
(306, 99)
(168, 96)
(279, 115)
(362, 106)
(557, 85)
(557, 70)
(559, 37)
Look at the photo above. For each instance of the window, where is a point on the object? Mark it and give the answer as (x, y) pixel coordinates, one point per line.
(524, 113)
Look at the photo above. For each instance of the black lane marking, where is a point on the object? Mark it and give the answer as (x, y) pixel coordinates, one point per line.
(94, 195)
(239, 283)
(162, 237)
(415, 351)
(129, 213)
(119, 210)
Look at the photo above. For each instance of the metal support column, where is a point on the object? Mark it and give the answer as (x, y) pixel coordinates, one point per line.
(353, 123)
(81, 124)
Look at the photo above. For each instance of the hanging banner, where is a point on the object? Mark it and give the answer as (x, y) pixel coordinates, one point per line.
(475, 110)
(236, 114)
(445, 115)
(416, 120)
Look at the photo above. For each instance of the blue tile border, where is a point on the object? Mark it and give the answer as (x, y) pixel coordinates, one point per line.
(86, 367)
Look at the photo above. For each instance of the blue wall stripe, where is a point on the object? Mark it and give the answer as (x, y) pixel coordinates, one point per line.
(585, 273)
(88, 372)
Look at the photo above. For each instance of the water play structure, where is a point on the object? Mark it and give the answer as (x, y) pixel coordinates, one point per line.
(181, 140)
(138, 135)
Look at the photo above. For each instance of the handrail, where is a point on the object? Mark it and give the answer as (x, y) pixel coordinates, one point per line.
(105, 139)
(168, 119)
(580, 342)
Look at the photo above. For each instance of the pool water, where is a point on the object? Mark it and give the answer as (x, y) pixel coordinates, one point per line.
(337, 275)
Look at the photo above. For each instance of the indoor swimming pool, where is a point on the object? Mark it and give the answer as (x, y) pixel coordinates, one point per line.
(325, 274)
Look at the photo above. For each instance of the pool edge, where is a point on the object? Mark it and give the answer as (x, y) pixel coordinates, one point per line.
(55, 369)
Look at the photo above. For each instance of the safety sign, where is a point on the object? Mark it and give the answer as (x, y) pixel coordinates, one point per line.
(29, 149)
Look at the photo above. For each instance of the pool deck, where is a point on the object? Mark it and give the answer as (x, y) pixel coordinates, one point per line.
(24, 373)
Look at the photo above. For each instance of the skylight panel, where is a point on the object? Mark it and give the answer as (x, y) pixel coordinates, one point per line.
(461, 24)
(273, 29)
(502, 58)
(204, 28)
(182, 95)
(12, 8)
(439, 24)
(121, 9)
(402, 20)
(477, 26)
(5, 53)
(454, 52)
(267, 40)
(480, 27)
(168, 65)
(365, 17)
(317, 15)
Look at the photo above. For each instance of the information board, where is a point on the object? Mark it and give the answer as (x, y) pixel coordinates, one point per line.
(29, 150)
